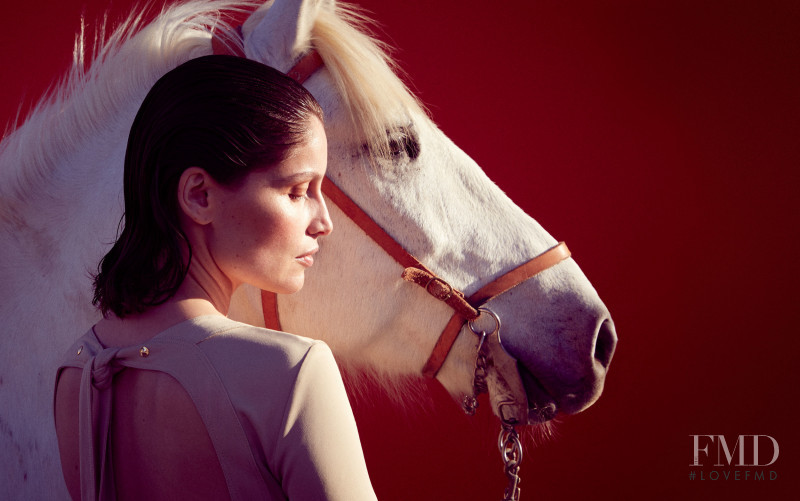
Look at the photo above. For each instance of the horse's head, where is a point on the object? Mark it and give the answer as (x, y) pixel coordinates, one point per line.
(390, 158)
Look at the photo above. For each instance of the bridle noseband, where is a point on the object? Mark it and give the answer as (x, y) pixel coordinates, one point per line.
(467, 309)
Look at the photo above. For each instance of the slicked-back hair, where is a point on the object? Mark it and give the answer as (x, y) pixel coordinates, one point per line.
(224, 114)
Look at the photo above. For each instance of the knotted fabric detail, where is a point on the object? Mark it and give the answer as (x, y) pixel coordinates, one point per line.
(95, 402)
(103, 368)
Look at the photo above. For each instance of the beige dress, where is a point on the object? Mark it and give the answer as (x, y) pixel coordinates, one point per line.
(273, 403)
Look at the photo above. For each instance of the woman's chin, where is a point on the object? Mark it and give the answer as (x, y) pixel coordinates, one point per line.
(289, 286)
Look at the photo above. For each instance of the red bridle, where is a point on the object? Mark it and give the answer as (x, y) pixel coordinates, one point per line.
(465, 309)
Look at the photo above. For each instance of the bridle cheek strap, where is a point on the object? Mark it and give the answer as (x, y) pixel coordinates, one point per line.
(465, 309)
(505, 282)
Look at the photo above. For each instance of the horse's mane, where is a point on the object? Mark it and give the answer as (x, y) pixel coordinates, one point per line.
(126, 64)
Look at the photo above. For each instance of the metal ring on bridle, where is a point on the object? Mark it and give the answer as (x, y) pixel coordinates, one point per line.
(481, 311)
(437, 279)
(510, 446)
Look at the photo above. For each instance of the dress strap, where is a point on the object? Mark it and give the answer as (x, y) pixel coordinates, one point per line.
(95, 402)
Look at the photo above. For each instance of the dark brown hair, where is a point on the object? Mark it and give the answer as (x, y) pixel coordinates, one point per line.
(225, 114)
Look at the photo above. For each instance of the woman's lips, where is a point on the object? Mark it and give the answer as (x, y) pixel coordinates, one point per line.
(307, 259)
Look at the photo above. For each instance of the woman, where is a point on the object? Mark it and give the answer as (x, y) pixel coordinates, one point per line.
(166, 398)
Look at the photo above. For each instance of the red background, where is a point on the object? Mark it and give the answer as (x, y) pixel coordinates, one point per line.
(660, 140)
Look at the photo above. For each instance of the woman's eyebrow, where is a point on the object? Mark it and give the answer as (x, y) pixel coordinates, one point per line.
(296, 178)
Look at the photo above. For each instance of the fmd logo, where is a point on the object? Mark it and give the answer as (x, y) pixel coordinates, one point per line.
(757, 451)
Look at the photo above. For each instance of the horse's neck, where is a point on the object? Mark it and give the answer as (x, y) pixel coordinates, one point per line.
(61, 222)
(76, 201)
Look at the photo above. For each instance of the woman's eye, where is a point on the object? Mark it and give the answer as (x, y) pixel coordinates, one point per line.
(298, 192)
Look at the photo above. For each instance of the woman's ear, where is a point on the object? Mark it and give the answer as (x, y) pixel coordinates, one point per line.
(193, 188)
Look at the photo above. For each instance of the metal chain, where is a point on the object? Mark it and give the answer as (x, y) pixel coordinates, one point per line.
(511, 450)
(479, 384)
(508, 442)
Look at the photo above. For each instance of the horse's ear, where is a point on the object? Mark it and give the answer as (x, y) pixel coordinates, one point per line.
(280, 31)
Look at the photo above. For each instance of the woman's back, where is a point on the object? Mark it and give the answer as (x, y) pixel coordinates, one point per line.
(161, 449)
(210, 409)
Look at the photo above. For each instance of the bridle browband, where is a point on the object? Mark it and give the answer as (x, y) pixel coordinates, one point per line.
(465, 308)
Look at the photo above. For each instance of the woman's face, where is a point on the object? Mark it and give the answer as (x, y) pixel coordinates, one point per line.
(267, 229)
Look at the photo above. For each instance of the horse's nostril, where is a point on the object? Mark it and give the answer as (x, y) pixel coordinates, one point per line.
(605, 344)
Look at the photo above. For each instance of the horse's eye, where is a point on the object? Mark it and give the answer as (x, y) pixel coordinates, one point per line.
(396, 147)
(401, 141)
(404, 141)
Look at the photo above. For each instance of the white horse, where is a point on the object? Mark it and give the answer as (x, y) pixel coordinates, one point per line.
(60, 204)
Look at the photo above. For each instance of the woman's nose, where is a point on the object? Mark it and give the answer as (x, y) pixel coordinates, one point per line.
(321, 224)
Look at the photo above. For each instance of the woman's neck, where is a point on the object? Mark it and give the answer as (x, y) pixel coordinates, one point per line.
(194, 298)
